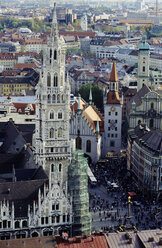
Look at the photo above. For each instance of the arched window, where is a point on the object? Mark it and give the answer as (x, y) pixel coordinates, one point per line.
(53, 99)
(58, 98)
(59, 115)
(78, 143)
(48, 79)
(50, 55)
(55, 80)
(17, 224)
(63, 98)
(60, 167)
(88, 146)
(51, 133)
(55, 55)
(51, 115)
(24, 223)
(151, 123)
(152, 105)
(49, 99)
(52, 167)
(60, 132)
(61, 79)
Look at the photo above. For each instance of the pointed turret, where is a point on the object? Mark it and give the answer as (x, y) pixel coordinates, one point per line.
(79, 108)
(114, 75)
(54, 28)
(90, 96)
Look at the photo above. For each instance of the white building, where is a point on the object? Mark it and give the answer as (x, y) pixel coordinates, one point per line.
(86, 126)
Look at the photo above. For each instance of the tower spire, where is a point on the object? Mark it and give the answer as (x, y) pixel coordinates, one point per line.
(90, 96)
(54, 28)
(114, 75)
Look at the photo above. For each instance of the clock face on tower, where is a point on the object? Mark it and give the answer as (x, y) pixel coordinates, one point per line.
(112, 108)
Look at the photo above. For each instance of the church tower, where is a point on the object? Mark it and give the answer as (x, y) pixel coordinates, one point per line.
(52, 145)
(112, 115)
(143, 64)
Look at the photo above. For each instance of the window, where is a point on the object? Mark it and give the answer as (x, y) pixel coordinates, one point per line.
(60, 115)
(109, 113)
(52, 167)
(17, 224)
(63, 98)
(88, 146)
(108, 128)
(108, 121)
(116, 121)
(55, 80)
(53, 99)
(112, 143)
(51, 115)
(58, 98)
(116, 113)
(51, 149)
(151, 123)
(152, 105)
(60, 167)
(55, 55)
(112, 135)
(42, 220)
(108, 135)
(60, 132)
(48, 79)
(51, 133)
(57, 206)
(143, 69)
(78, 143)
(64, 218)
(50, 55)
(116, 128)
(116, 135)
(49, 99)
(58, 219)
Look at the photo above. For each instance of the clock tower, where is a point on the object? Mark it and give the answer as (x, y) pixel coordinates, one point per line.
(112, 115)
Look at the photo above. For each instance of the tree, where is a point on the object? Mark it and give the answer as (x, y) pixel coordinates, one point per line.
(97, 95)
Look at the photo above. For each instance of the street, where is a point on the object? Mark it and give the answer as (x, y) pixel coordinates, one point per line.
(109, 206)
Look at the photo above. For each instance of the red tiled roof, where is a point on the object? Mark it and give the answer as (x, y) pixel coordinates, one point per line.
(80, 34)
(87, 242)
(98, 241)
(25, 65)
(22, 106)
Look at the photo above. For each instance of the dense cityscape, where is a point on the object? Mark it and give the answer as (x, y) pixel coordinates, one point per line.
(81, 124)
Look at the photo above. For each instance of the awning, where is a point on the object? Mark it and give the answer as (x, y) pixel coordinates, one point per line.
(131, 193)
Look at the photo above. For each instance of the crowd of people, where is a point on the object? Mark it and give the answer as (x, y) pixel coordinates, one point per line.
(109, 205)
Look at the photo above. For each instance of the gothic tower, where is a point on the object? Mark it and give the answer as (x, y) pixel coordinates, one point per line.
(112, 115)
(143, 63)
(52, 145)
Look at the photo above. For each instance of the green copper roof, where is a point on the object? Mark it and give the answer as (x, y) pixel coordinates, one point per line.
(143, 45)
(90, 96)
